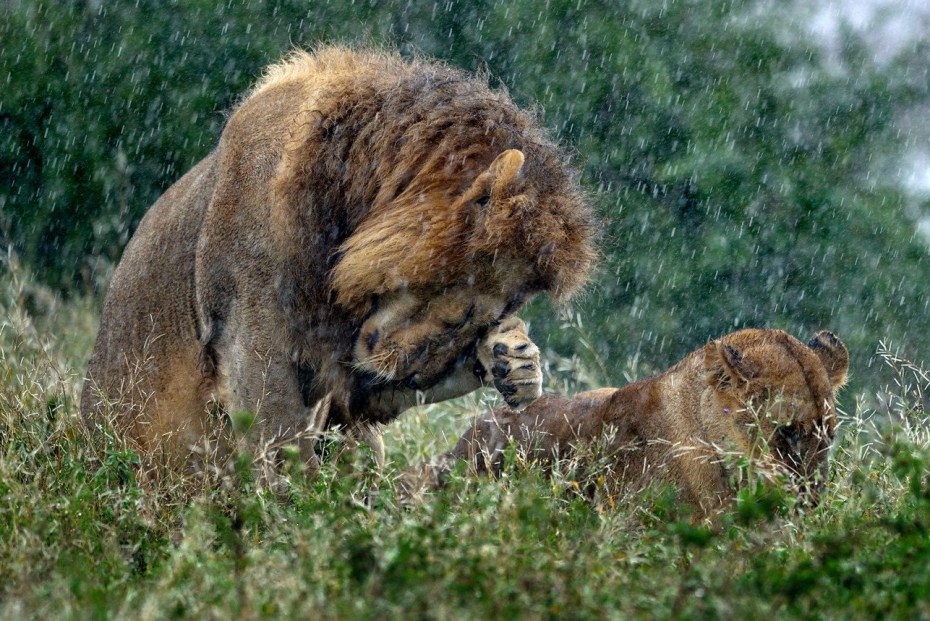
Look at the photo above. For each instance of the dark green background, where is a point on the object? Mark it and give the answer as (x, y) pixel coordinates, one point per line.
(741, 173)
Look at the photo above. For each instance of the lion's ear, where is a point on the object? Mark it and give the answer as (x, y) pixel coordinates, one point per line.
(505, 171)
(834, 355)
(725, 366)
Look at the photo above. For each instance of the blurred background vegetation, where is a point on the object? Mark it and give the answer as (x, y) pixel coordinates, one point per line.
(746, 173)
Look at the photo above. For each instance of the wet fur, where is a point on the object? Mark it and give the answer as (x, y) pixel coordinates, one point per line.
(734, 397)
(344, 181)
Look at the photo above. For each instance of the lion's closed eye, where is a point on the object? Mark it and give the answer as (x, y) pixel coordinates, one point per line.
(454, 321)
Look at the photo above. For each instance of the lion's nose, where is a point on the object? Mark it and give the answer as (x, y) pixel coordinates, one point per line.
(373, 339)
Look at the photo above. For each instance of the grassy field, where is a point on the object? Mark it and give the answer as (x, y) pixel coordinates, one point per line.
(81, 538)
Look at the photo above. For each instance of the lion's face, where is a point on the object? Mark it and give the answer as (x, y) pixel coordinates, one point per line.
(410, 338)
(780, 393)
(432, 274)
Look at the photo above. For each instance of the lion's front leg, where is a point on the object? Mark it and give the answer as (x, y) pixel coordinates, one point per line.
(505, 358)
(509, 360)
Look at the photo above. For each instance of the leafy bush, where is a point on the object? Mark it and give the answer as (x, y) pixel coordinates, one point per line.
(742, 174)
(82, 537)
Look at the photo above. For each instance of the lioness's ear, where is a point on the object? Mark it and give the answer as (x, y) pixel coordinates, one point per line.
(505, 171)
(834, 355)
(725, 366)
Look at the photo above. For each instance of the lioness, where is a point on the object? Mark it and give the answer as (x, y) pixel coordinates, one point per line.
(365, 229)
(739, 395)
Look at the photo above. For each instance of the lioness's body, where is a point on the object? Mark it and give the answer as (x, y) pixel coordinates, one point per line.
(735, 397)
(362, 230)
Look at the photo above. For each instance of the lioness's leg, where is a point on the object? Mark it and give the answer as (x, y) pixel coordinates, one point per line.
(510, 360)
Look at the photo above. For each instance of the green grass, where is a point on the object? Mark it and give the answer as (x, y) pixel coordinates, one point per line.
(80, 537)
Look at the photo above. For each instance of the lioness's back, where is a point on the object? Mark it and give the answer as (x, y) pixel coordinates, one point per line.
(754, 394)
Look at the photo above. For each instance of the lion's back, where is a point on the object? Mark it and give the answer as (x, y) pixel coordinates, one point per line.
(151, 295)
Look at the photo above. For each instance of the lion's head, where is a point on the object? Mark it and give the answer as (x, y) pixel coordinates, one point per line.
(779, 392)
(435, 273)
(450, 209)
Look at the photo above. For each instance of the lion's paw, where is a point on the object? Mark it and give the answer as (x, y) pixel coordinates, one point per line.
(510, 360)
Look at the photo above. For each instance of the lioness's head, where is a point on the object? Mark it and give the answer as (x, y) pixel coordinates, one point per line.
(780, 393)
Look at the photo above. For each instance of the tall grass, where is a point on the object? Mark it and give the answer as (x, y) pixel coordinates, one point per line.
(81, 537)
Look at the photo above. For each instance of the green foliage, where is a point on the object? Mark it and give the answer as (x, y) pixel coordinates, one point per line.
(83, 535)
(734, 172)
(740, 177)
(739, 173)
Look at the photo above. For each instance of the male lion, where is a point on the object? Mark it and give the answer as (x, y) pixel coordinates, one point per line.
(365, 229)
(753, 393)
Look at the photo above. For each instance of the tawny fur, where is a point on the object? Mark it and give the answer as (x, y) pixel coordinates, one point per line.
(345, 184)
(755, 393)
